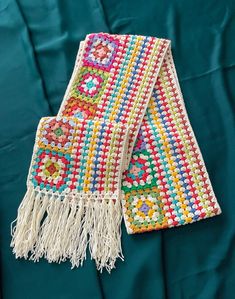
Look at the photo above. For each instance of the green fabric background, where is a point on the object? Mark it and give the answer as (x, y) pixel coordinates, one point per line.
(38, 44)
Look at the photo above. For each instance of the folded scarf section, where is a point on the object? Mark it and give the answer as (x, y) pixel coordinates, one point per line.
(121, 146)
(74, 192)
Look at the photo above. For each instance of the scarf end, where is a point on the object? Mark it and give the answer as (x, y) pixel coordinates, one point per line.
(63, 227)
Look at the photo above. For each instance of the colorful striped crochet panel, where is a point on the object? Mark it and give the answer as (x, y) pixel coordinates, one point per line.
(73, 155)
(116, 78)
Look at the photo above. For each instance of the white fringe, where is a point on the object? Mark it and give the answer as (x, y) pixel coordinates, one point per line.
(63, 227)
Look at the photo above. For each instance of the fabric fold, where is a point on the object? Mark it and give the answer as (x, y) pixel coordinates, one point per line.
(121, 146)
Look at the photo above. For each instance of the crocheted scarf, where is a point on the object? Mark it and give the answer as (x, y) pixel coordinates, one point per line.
(121, 146)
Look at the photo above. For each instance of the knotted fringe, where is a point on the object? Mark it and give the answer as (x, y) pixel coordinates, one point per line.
(62, 227)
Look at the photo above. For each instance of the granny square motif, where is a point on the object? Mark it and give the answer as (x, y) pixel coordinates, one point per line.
(101, 51)
(89, 84)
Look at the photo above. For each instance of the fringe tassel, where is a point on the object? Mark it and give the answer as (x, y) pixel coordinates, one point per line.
(63, 227)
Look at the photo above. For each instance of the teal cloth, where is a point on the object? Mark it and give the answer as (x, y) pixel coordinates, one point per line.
(38, 44)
